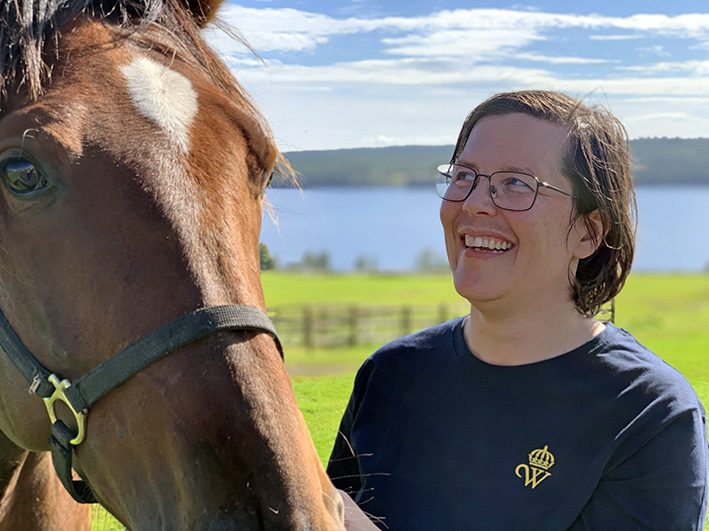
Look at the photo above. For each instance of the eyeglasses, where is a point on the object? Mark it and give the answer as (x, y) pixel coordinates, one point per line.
(509, 190)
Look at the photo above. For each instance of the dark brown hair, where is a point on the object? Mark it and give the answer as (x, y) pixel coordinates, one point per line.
(597, 162)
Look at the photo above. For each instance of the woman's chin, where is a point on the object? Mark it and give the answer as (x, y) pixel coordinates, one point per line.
(475, 290)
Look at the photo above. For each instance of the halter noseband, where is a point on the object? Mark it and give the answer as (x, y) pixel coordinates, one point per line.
(84, 392)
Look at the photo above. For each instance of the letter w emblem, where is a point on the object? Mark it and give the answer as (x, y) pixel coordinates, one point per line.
(532, 475)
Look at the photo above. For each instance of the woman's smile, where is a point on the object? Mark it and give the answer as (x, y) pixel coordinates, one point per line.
(486, 244)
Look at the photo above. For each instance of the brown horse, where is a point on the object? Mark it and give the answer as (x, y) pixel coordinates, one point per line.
(133, 168)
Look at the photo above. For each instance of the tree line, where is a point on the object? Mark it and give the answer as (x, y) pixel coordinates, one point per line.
(426, 261)
(655, 161)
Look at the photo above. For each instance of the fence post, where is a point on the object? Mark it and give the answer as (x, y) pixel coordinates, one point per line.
(308, 336)
(405, 320)
(443, 313)
(353, 325)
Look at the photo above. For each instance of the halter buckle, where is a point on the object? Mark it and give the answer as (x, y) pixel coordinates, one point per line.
(79, 416)
(36, 381)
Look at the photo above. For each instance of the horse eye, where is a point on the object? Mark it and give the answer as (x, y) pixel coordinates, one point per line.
(269, 181)
(22, 177)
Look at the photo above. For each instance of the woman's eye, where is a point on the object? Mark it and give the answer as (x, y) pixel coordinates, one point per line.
(517, 184)
(463, 176)
(22, 177)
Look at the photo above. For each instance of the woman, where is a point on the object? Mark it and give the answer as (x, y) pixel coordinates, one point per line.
(529, 413)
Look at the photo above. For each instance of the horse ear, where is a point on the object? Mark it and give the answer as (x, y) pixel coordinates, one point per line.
(203, 11)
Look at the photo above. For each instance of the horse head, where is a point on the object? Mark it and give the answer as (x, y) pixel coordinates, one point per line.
(133, 169)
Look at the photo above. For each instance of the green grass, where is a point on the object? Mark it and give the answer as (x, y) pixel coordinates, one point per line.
(668, 313)
(292, 288)
(322, 401)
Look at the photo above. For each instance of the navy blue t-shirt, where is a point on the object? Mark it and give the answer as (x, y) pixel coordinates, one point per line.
(605, 437)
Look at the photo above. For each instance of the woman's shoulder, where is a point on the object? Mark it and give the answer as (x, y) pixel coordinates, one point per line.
(405, 360)
(415, 350)
(642, 374)
(421, 343)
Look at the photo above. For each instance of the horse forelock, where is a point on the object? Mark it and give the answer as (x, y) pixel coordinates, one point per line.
(28, 26)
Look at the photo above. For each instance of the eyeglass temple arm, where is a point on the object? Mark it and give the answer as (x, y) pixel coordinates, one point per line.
(547, 185)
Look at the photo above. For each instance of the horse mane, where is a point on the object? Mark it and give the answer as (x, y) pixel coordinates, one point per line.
(167, 25)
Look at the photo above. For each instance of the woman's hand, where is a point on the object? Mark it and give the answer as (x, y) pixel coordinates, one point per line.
(355, 519)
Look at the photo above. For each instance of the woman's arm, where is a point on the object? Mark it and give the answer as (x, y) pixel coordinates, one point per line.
(355, 519)
(658, 485)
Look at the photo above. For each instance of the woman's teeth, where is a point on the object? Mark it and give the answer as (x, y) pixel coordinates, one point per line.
(492, 244)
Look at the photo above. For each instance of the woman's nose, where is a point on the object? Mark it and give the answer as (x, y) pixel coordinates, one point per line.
(479, 201)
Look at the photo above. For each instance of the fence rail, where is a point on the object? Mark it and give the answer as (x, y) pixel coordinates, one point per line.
(327, 326)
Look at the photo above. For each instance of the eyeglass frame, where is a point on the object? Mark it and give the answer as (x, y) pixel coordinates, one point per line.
(539, 182)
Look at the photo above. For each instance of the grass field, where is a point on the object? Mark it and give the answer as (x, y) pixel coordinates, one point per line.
(668, 313)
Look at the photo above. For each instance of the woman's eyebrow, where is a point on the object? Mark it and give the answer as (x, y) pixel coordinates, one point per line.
(467, 164)
(521, 169)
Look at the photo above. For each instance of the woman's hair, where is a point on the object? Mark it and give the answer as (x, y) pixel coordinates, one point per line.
(596, 160)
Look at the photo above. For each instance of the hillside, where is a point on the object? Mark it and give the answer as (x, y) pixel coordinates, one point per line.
(655, 161)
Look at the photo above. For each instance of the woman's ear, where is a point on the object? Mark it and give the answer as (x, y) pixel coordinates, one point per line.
(588, 234)
(203, 11)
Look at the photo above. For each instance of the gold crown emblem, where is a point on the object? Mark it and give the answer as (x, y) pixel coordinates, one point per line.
(541, 457)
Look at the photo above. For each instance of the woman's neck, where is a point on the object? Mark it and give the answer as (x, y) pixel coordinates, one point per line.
(520, 338)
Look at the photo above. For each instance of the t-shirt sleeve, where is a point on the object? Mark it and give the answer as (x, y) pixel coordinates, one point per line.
(661, 486)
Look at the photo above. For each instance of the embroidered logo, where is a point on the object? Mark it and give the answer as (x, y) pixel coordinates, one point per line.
(540, 461)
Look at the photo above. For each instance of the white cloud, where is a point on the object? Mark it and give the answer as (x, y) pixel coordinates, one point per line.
(562, 60)
(622, 37)
(287, 29)
(655, 49)
(429, 71)
(412, 140)
(683, 116)
(239, 61)
(433, 73)
(418, 72)
(472, 44)
(459, 48)
(270, 29)
(693, 68)
(668, 86)
(675, 122)
(669, 100)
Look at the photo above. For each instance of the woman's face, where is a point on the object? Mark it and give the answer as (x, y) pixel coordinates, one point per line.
(532, 269)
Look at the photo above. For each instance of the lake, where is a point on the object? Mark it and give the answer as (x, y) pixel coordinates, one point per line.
(392, 227)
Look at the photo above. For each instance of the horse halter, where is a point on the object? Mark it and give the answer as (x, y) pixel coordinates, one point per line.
(85, 391)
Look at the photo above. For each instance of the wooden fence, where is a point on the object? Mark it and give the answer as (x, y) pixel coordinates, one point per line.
(328, 326)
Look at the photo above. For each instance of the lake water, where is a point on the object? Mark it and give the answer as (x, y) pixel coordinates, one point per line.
(391, 227)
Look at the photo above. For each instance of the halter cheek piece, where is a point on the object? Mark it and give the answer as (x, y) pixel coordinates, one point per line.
(84, 392)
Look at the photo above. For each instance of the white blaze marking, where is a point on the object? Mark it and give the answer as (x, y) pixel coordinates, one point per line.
(164, 96)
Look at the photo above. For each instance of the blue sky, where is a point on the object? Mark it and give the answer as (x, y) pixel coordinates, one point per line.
(337, 74)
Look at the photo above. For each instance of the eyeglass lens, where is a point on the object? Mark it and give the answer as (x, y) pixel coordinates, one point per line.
(508, 190)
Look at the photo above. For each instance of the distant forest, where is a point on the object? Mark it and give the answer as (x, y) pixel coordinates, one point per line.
(655, 161)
